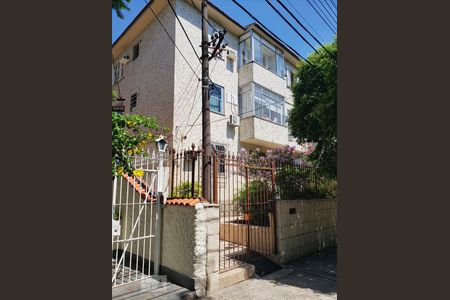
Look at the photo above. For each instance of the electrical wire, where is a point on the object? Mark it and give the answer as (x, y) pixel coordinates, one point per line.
(184, 30)
(298, 33)
(303, 17)
(207, 21)
(268, 30)
(332, 9)
(323, 14)
(334, 3)
(332, 30)
(159, 21)
(290, 13)
(326, 9)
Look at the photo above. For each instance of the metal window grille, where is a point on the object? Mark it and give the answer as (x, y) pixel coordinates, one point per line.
(133, 101)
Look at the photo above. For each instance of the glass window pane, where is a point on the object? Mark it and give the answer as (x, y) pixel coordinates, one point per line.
(257, 52)
(216, 99)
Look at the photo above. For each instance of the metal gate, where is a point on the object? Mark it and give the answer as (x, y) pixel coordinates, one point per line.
(245, 192)
(136, 221)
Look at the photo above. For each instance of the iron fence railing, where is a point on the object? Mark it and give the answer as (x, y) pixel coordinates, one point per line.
(292, 179)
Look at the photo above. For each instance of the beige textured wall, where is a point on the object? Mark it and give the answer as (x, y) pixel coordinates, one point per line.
(188, 88)
(151, 75)
(313, 227)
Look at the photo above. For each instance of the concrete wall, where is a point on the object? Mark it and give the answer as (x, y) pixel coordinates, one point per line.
(312, 227)
(190, 246)
(151, 75)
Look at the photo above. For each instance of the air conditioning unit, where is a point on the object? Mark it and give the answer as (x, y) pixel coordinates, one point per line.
(231, 54)
(124, 59)
(234, 121)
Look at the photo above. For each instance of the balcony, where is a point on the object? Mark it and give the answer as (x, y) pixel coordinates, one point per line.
(257, 131)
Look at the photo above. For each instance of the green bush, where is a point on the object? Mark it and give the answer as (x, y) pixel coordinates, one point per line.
(303, 183)
(259, 213)
(184, 189)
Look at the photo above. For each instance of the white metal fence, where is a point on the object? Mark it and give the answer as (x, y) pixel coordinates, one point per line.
(136, 221)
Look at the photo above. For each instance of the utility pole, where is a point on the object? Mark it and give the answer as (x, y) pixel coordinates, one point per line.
(206, 126)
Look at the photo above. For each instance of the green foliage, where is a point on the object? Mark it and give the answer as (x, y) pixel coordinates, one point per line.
(119, 5)
(184, 189)
(259, 214)
(303, 183)
(130, 133)
(313, 117)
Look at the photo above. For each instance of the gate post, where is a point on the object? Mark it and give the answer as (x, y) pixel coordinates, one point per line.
(159, 202)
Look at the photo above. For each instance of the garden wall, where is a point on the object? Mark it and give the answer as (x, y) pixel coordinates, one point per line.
(190, 246)
(304, 227)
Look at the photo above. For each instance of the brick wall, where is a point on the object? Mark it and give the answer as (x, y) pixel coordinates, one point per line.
(304, 227)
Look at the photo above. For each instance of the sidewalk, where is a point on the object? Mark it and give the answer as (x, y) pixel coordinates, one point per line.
(313, 277)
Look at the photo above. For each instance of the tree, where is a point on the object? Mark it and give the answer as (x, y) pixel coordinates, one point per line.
(130, 134)
(313, 117)
(119, 5)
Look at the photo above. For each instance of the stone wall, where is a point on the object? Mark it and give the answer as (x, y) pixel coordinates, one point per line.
(304, 227)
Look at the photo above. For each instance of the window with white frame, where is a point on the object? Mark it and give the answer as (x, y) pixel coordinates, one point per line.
(118, 72)
(256, 100)
(290, 74)
(263, 53)
(221, 151)
(216, 98)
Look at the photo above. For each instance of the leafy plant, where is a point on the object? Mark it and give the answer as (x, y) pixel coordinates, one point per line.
(130, 134)
(313, 117)
(258, 213)
(184, 190)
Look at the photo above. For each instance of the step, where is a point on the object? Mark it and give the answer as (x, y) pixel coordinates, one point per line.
(233, 276)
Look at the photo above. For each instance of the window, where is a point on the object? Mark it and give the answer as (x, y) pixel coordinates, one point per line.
(267, 55)
(290, 75)
(216, 98)
(245, 48)
(265, 103)
(230, 64)
(135, 51)
(221, 151)
(268, 105)
(133, 101)
(118, 72)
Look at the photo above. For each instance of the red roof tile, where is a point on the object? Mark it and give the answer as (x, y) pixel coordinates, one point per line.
(140, 187)
(183, 201)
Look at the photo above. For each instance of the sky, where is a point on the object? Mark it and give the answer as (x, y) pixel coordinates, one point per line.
(264, 13)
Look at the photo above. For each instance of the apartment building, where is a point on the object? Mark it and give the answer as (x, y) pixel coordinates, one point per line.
(252, 78)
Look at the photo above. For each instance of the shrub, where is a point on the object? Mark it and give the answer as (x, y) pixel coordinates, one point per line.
(184, 190)
(259, 213)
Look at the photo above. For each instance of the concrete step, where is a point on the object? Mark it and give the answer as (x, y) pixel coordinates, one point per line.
(236, 275)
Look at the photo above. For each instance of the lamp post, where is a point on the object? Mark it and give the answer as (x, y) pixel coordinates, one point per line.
(161, 146)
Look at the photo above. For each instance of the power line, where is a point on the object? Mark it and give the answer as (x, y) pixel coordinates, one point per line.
(268, 30)
(207, 21)
(324, 15)
(289, 12)
(172, 40)
(184, 30)
(333, 3)
(332, 30)
(328, 12)
(332, 8)
(312, 28)
(298, 33)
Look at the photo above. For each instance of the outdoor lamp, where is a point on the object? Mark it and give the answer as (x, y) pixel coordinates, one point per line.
(161, 144)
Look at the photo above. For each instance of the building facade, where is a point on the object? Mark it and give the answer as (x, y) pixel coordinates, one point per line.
(252, 78)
